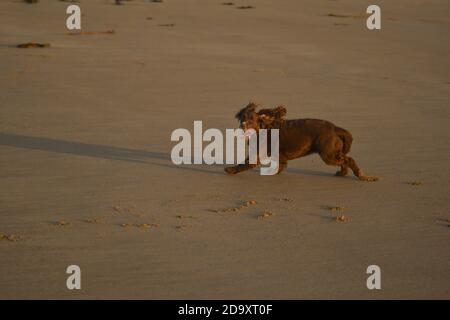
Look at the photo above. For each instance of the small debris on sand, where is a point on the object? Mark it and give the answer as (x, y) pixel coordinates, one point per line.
(265, 215)
(245, 7)
(93, 221)
(33, 45)
(166, 25)
(443, 221)
(131, 210)
(284, 199)
(62, 223)
(335, 208)
(140, 225)
(415, 183)
(117, 208)
(147, 225)
(228, 3)
(186, 217)
(182, 227)
(228, 210)
(246, 204)
(9, 237)
(342, 218)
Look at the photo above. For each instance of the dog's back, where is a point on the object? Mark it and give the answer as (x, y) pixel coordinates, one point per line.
(299, 137)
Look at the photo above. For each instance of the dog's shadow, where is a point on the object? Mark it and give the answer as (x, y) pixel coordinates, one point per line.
(97, 151)
(309, 172)
(116, 153)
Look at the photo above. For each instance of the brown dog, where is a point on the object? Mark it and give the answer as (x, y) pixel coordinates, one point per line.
(299, 138)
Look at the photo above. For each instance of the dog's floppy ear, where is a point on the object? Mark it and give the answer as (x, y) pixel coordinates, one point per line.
(278, 113)
(281, 111)
(250, 108)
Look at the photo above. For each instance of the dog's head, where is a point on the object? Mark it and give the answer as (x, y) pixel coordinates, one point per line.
(263, 119)
(248, 118)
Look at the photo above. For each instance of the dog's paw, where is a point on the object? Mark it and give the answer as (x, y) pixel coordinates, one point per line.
(368, 178)
(230, 170)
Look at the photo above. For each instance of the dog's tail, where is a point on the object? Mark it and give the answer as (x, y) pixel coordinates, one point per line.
(346, 138)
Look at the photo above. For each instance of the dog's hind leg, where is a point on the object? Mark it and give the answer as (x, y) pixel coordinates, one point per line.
(357, 171)
(343, 172)
(282, 164)
(334, 153)
(335, 159)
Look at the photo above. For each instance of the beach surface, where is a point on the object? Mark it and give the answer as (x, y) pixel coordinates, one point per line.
(87, 179)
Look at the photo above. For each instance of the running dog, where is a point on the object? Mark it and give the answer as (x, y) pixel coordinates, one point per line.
(299, 138)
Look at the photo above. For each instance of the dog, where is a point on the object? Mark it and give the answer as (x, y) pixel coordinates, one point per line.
(299, 138)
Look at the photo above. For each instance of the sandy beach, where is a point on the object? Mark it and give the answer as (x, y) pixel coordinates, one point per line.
(87, 179)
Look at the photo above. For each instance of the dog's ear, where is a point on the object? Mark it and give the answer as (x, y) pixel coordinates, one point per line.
(281, 111)
(278, 113)
(250, 108)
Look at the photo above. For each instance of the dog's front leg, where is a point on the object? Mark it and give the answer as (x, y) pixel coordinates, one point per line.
(241, 167)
